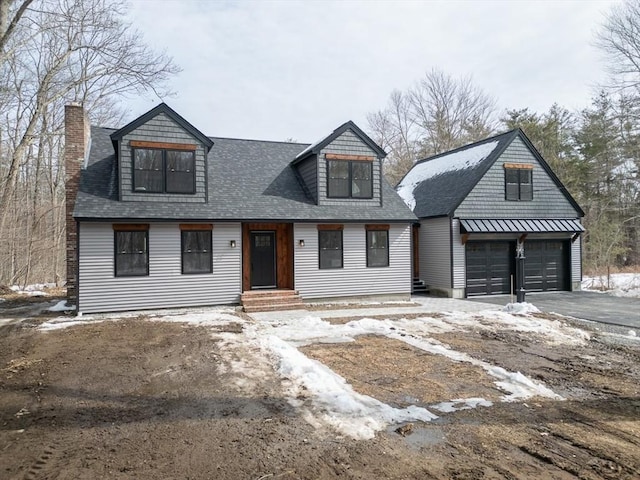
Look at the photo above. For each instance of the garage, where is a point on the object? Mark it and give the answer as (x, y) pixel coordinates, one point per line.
(491, 264)
(546, 265)
(489, 267)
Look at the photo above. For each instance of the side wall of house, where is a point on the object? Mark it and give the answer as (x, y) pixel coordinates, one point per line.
(161, 129)
(308, 170)
(355, 278)
(458, 261)
(487, 198)
(435, 254)
(576, 264)
(165, 286)
(348, 144)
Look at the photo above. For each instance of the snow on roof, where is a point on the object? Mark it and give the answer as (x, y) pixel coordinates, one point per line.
(459, 160)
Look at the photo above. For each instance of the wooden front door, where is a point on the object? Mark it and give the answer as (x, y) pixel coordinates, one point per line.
(267, 256)
(263, 259)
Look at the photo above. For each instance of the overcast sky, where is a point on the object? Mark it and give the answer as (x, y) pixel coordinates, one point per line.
(276, 70)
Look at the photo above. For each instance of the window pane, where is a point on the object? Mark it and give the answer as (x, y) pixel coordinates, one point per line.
(330, 242)
(362, 186)
(147, 170)
(196, 251)
(131, 253)
(338, 184)
(526, 190)
(180, 172)
(377, 248)
(512, 191)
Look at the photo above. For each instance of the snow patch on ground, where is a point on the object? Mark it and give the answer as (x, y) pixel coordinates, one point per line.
(335, 402)
(618, 284)
(34, 290)
(461, 404)
(61, 323)
(460, 160)
(521, 308)
(61, 306)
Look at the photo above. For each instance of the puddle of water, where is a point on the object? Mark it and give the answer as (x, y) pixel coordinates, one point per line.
(420, 436)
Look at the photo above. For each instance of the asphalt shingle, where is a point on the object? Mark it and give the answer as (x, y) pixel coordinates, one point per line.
(247, 180)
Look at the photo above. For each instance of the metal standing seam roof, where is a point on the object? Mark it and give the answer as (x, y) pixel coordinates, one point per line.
(478, 225)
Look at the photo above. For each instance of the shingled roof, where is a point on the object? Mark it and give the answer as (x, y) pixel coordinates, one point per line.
(437, 185)
(248, 180)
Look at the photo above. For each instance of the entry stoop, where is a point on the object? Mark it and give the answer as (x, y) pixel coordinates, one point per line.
(271, 300)
(419, 287)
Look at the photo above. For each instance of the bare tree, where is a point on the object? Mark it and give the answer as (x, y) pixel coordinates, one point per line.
(437, 114)
(619, 39)
(54, 52)
(450, 112)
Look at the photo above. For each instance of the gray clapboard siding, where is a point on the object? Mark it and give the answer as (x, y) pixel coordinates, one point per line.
(435, 252)
(487, 198)
(348, 144)
(576, 264)
(160, 128)
(459, 258)
(308, 170)
(165, 286)
(354, 278)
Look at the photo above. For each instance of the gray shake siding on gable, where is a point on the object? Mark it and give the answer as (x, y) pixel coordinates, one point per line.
(347, 144)
(165, 286)
(161, 128)
(487, 198)
(355, 278)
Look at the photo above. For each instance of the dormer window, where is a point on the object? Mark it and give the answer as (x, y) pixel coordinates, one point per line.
(164, 170)
(349, 179)
(518, 179)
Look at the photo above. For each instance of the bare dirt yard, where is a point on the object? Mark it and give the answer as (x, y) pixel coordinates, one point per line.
(179, 396)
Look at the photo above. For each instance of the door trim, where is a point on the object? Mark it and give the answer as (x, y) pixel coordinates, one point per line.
(284, 253)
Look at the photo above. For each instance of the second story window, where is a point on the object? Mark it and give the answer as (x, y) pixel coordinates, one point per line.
(349, 179)
(163, 171)
(518, 182)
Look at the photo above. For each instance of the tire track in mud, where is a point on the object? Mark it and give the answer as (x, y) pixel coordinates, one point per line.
(41, 466)
(577, 458)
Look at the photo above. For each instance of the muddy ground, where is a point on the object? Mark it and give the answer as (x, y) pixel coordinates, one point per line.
(151, 400)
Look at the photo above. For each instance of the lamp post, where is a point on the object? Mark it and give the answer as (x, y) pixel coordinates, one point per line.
(520, 291)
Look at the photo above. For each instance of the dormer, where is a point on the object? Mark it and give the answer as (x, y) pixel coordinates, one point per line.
(343, 168)
(161, 158)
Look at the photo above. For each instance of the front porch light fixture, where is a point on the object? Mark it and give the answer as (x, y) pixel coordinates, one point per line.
(301, 243)
(232, 243)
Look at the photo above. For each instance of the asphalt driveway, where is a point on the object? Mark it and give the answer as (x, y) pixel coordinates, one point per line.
(598, 307)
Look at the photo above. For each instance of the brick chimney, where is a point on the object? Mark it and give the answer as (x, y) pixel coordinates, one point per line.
(76, 138)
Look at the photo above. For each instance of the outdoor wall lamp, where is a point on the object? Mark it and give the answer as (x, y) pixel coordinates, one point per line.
(301, 243)
(232, 244)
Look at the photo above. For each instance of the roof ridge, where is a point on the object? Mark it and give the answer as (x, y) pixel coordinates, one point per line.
(468, 145)
(258, 140)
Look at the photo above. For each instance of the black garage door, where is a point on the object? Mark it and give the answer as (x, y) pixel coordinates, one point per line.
(546, 265)
(489, 267)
